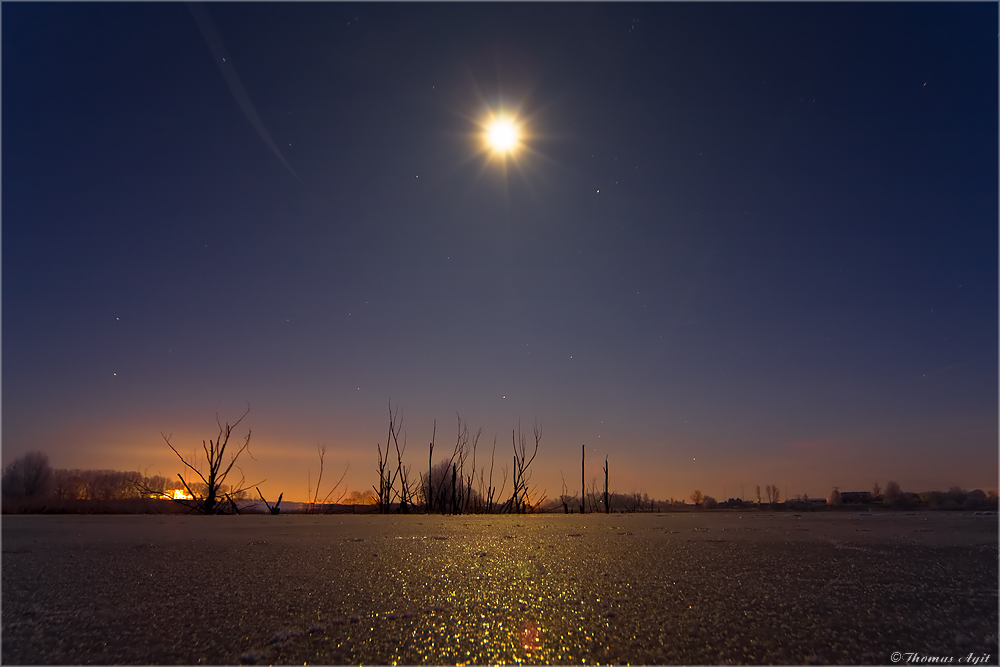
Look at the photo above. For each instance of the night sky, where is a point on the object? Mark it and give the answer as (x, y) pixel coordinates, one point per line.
(738, 244)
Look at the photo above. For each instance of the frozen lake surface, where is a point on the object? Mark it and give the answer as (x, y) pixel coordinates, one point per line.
(702, 588)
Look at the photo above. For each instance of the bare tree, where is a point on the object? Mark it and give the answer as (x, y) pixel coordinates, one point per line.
(490, 493)
(383, 492)
(470, 497)
(522, 462)
(834, 498)
(460, 489)
(314, 501)
(535, 500)
(697, 497)
(446, 487)
(564, 498)
(877, 490)
(757, 488)
(593, 498)
(583, 484)
(206, 498)
(28, 477)
(773, 495)
(146, 486)
(272, 509)
(402, 472)
(607, 503)
(68, 484)
(386, 477)
(436, 486)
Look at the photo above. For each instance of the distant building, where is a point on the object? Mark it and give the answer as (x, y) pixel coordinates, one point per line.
(855, 497)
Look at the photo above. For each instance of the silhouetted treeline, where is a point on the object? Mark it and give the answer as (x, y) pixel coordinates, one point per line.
(31, 476)
(97, 484)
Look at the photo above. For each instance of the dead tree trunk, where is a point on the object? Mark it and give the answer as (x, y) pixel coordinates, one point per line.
(454, 500)
(272, 509)
(607, 504)
(430, 472)
(381, 493)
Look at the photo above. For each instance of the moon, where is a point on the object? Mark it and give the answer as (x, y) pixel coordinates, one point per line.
(502, 135)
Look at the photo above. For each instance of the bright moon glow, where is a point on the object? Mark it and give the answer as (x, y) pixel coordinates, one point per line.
(502, 135)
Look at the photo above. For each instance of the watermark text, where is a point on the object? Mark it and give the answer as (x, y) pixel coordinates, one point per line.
(914, 658)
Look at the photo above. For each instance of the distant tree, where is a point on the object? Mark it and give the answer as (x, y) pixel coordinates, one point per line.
(710, 503)
(27, 477)
(633, 502)
(359, 498)
(876, 490)
(697, 497)
(112, 484)
(975, 499)
(758, 493)
(67, 484)
(835, 497)
(892, 492)
(155, 485)
(772, 493)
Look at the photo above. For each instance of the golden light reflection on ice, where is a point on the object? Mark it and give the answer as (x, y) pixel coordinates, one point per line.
(504, 600)
(530, 636)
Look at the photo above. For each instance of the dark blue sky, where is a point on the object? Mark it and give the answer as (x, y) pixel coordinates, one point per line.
(741, 243)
